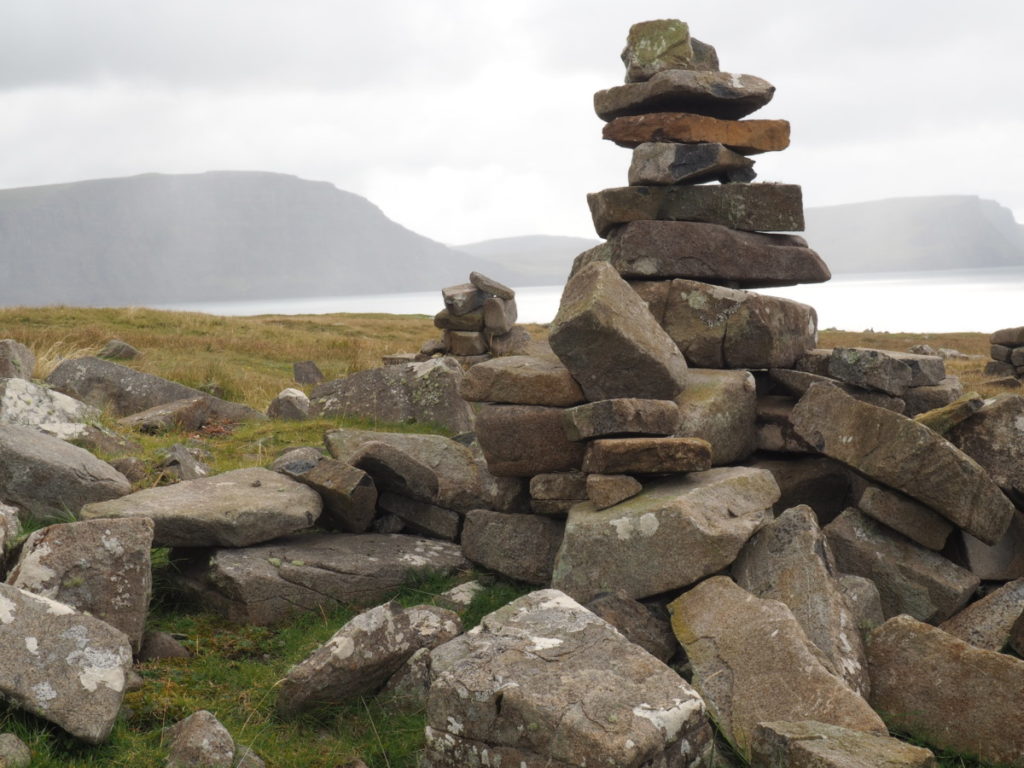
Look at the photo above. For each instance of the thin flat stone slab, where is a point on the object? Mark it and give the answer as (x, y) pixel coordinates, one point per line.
(901, 513)
(490, 286)
(899, 452)
(62, 665)
(723, 95)
(545, 682)
(752, 663)
(710, 253)
(521, 380)
(946, 693)
(421, 517)
(752, 207)
(521, 547)
(1009, 337)
(647, 455)
(655, 46)
(677, 531)
(796, 383)
(910, 578)
(526, 440)
(994, 437)
(621, 416)
(720, 407)
(988, 623)
(664, 162)
(612, 345)
(748, 137)
(870, 369)
(233, 509)
(471, 321)
(308, 573)
(810, 744)
(605, 491)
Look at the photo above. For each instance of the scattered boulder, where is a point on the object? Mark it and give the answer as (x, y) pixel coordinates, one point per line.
(188, 415)
(199, 741)
(161, 645)
(810, 744)
(290, 404)
(989, 622)
(307, 373)
(30, 405)
(183, 461)
(115, 349)
(521, 547)
(16, 360)
(521, 380)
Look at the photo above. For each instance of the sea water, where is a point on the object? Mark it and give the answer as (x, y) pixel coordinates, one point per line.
(981, 300)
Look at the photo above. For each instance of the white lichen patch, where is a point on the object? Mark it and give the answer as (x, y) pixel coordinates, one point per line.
(32, 645)
(454, 725)
(34, 575)
(99, 666)
(645, 525)
(553, 598)
(7, 609)
(544, 643)
(52, 606)
(43, 694)
(341, 647)
(112, 544)
(670, 721)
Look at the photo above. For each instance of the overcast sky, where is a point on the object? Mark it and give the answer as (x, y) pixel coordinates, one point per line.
(468, 119)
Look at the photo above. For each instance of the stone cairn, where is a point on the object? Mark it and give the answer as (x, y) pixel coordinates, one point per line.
(1007, 356)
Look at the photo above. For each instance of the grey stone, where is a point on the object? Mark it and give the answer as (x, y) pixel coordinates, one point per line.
(720, 407)
(716, 94)
(810, 744)
(425, 393)
(996, 368)
(994, 437)
(814, 361)
(775, 431)
(645, 625)
(471, 321)
(750, 207)
(407, 689)
(1010, 337)
(621, 416)
(647, 455)
(677, 531)
(499, 315)
(187, 415)
(233, 509)
(925, 370)
(422, 517)
(942, 691)
(521, 380)
(307, 373)
(526, 440)
(30, 405)
(295, 461)
(16, 360)
(1001, 561)
(432, 347)
(115, 349)
(910, 578)
(290, 404)
(266, 584)
(490, 286)
(796, 384)
(199, 741)
(400, 359)
(871, 369)
(904, 515)
(9, 527)
(516, 342)
(466, 343)
(663, 162)
(611, 344)
(664, 44)
(752, 662)
(863, 600)
(349, 495)
(988, 622)
(928, 398)
(61, 665)
(522, 547)
(361, 656)
(1000, 353)
(181, 463)
(748, 137)
(14, 753)
(99, 567)
(48, 479)
(462, 299)
(559, 485)
(161, 645)
(543, 681)
(605, 491)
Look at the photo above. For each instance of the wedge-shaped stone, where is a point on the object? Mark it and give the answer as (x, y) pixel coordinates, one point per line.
(62, 665)
(233, 509)
(99, 567)
(647, 455)
(48, 479)
(748, 137)
(796, 384)
(718, 327)
(720, 407)
(349, 495)
(654, 46)
(946, 693)
(715, 94)
(910, 578)
(421, 517)
(361, 656)
(710, 253)
(521, 380)
(266, 584)
(612, 345)
(899, 452)
(526, 440)
(605, 491)
(870, 369)
(621, 416)
(664, 162)
(988, 623)
(677, 531)
(752, 663)
(994, 437)
(810, 744)
(522, 547)
(901, 513)
(559, 485)
(752, 207)
(462, 299)
(790, 561)
(543, 681)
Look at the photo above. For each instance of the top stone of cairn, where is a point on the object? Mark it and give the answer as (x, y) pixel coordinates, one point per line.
(654, 46)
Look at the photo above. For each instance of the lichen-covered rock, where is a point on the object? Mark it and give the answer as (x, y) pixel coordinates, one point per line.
(16, 360)
(720, 407)
(543, 681)
(664, 44)
(521, 380)
(30, 405)
(871, 369)
(526, 440)
(199, 741)
(994, 437)
(810, 744)
(290, 404)
(522, 547)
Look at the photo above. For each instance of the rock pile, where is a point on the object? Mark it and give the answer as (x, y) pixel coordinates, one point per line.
(1007, 354)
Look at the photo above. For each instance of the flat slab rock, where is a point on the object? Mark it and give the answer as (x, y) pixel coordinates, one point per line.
(716, 94)
(809, 744)
(64, 666)
(748, 137)
(522, 547)
(233, 509)
(675, 532)
(545, 682)
(662, 162)
(526, 440)
(647, 455)
(521, 380)
(265, 584)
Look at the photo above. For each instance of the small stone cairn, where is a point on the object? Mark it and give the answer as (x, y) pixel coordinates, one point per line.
(1007, 355)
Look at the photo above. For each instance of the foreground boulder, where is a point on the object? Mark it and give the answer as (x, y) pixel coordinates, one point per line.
(753, 663)
(363, 654)
(64, 666)
(940, 690)
(233, 509)
(199, 740)
(28, 404)
(809, 744)
(48, 479)
(543, 681)
(313, 572)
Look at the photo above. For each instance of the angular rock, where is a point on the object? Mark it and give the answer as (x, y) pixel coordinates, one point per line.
(471, 321)
(637, 545)
(266, 584)
(1001, 561)
(925, 370)
(942, 691)
(747, 137)
(526, 440)
(910, 578)
(809, 744)
(1000, 353)
(161, 645)
(904, 515)
(521, 380)
(349, 495)
(796, 384)
(99, 567)
(233, 509)
(465, 343)
(945, 418)
(490, 286)
(199, 740)
(29, 405)
(620, 417)
(752, 207)
(720, 407)
(462, 299)
(115, 349)
(647, 455)
(363, 654)
(291, 404)
(543, 681)
(307, 372)
(559, 485)
(717, 327)
(48, 479)
(898, 452)
(994, 438)
(645, 625)
(422, 517)
(16, 360)
(716, 94)
(871, 369)
(863, 600)
(181, 462)
(126, 391)
(819, 482)
(1010, 337)
(611, 344)
(425, 393)
(522, 547)
(752, 663)
(188, 415)
(663, 162)
(515, 342)
(66, 667)
(789, 560)
(775, 431)
(407, 689)
(499, 315)
(654, 46)
(14, 753)
(711, 253)
(989, 622)
(814, 361)
(995, 368)
(605, 491)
